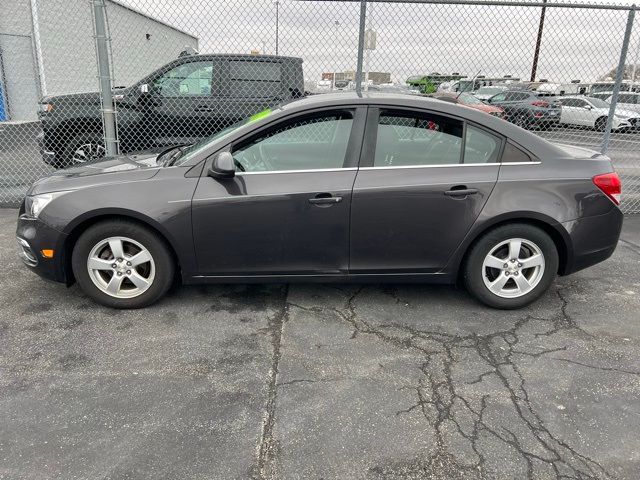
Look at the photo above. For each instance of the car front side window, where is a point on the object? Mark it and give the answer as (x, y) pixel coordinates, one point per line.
(310, 143)
(186, 80)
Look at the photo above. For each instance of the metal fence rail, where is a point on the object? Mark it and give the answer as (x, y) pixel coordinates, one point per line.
(155, 91)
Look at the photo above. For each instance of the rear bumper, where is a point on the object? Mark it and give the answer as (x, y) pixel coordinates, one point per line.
(33, 236)
(593, 239)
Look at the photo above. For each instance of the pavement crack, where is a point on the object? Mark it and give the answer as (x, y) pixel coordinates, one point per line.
(267, 445)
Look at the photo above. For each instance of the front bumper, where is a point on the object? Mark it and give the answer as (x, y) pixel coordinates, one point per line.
(593, 239)
(33, 236)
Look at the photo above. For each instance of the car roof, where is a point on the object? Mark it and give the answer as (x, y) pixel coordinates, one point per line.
(247, 56)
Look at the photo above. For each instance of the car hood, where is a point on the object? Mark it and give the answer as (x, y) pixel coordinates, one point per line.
(118, 169)
(625, 113)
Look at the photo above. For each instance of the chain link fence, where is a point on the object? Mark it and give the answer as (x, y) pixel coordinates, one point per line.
(170, 72)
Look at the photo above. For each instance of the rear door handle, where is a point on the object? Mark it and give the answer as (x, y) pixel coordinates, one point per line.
(324, 199)
(461, 192)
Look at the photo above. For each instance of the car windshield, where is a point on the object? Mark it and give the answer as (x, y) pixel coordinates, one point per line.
(197, 147)
(596, 102)
(468, 99)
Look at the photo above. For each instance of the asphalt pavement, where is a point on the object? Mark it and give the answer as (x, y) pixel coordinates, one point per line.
(322, 381)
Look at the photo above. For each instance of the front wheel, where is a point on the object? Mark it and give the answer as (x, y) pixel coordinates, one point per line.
(83, 148)
(600, 124)
(121, 264)
(511, 266)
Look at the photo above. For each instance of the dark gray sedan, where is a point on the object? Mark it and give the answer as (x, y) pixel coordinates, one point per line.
(330, 188)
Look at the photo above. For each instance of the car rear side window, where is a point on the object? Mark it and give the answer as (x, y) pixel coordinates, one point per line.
(513, 154)
(255, 79)
(480, 146)
(407, 140)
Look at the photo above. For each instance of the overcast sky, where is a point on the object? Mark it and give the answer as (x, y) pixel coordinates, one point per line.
(412, 39)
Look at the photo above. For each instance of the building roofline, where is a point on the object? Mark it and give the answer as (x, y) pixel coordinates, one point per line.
(139, 12)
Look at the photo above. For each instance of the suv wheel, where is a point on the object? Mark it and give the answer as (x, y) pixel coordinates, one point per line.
(511, 266)
(121, 264)
(84, 148)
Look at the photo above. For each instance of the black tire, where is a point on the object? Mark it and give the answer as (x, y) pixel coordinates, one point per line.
(600, 124)
(474, 273)
(164, 265)
(68, 158)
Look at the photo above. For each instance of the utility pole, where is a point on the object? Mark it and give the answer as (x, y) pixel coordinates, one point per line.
(536, 54)
(277, 3)
(104, 76)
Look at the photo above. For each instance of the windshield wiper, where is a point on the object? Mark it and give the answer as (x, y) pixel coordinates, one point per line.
(171, 157)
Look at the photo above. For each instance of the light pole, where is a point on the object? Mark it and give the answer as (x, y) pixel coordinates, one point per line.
(277, 4)
(336, 23)
(536, 54)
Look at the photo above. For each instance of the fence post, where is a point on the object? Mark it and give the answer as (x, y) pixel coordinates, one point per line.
(619, 76)
(104, 76)
(363, 19)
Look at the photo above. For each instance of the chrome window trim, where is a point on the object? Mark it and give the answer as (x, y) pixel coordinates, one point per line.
(310, 170)
(492, 164)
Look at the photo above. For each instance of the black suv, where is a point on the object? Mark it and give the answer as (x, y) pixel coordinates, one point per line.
(185, 100)
(528, 109)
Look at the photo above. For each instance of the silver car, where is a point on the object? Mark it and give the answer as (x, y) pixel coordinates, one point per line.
(593, 112)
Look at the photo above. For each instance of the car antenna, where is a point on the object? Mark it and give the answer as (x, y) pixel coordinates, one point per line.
(473, 82)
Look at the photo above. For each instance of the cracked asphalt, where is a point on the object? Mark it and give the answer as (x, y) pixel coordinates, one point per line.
(322, 381)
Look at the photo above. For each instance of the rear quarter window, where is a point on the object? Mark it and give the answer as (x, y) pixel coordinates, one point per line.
(513, 154)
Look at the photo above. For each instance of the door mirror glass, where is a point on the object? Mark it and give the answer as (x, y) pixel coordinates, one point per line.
(222, 166)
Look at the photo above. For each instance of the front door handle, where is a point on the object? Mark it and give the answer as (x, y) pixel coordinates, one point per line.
(324, 200)
(460, 191)
(204, 108)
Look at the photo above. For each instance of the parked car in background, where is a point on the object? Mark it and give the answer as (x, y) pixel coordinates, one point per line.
(485, 93)
(470, 101)
(335, 187)
(528, 109)
(627, 100)
(593, 113)
(185, 100)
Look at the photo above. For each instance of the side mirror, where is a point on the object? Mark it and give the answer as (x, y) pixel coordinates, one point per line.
(144, 88)
(223, 166)
(588, 107)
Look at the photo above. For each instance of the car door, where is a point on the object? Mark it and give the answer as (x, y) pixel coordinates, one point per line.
(569, 112)
(181, 101)
(584, 114)
(286, 211)
(422, 182)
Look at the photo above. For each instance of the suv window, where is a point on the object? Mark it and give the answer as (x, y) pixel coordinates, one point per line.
(408, 140)
(480, 146)
(254, 79)
(316, 142)
(500, 97)
(188, 79)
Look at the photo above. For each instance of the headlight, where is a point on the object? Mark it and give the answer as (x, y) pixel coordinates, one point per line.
(46, 107)
(34, 204)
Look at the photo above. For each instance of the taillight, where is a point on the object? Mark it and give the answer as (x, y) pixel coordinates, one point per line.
(540, 103)
(610, 185)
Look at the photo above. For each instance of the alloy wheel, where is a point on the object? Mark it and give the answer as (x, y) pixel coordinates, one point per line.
(513, 268)
(88, 152)
(121, 267)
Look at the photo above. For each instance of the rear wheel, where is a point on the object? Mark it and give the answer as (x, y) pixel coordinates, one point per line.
(121, 264)
(511, 266)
